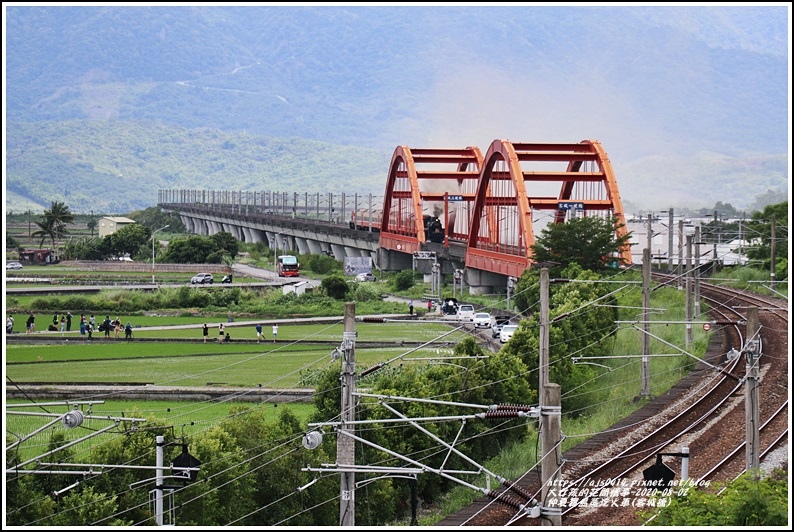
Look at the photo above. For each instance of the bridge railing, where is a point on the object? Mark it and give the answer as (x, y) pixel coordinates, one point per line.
(337, 208)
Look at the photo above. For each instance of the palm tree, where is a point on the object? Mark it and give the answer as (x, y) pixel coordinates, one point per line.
(45, 231)
(54, 222)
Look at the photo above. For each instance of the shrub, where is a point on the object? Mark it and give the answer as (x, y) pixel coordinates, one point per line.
(336, 286)
(404, 280)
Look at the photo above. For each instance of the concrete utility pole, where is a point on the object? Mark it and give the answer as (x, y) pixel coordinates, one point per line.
(670, 242)
(752, 355)
(158, 481)
(680, 251)
(543, 355)
(772, 246)
(551, 463)
(646, 304)
(697, 272)
(688, 291)
(345, 445)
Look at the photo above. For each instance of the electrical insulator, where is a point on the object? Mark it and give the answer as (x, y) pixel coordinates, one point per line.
(73, 419)
(312, 440)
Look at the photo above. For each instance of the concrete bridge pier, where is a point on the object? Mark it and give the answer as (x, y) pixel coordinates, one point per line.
(254, 236)
(389, 260)
(483, 282)
(314, 247)
(338, 251)
(235, 231)
(302, 245)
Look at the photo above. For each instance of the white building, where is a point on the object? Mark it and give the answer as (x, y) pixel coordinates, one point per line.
(299, 288)
(110, 224)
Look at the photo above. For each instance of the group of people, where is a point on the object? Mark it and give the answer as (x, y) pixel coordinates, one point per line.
(63, 323)
(116, 327)
(260, 335)
(224, 337)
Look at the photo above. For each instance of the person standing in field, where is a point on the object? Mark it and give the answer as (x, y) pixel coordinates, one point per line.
(30, 325)
(275, 332)
(220, 333)
(206, 332)
(258, 332)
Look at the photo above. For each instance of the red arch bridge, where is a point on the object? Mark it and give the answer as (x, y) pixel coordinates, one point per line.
(448, 211)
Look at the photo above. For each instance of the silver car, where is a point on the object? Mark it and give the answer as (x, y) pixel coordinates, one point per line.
(14, 265)
(507, 332)
(202, 278)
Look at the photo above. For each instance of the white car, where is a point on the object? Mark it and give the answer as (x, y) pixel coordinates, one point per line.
(497, 322)
(507, 332)
(465, 312)
(482, 320)
(366, 277)
(13, 265)
(202, 278)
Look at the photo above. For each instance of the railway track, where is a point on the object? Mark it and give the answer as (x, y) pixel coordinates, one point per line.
(704, 412)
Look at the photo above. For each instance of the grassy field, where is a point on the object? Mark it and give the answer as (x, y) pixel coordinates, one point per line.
(290, 363)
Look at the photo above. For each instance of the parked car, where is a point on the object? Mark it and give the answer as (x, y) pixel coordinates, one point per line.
(482, 320)
(366, 277)
(202, 278)
(14, 265)
(497, 322)
(465, 312)
(507, 332)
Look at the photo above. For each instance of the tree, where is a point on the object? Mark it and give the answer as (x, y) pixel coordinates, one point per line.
(336, 286)
(589, 241)
(53, 223)
(154, 217)
(227, 243)
(91, 224)
(191, 250)
(744, 502)
(404, 280)
(759, 232)
(129, 239)
(570, 331)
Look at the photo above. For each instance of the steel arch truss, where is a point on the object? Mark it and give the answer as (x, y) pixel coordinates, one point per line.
(429, 197)
(516, 187)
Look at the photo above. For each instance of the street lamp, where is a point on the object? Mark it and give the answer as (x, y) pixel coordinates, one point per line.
(153, 249)
(275, 254)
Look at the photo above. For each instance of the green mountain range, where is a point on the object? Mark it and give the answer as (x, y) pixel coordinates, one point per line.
(104, 105)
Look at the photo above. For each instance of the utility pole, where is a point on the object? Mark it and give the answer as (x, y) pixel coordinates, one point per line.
(551, 463)
(670, 241)
(650, 230)
(714, 242)
(688, 291)
(680, 251)
(345, 445)
(752, 354)
(697, 272)
(772, 246)
(646, 304)
(158, 482)
(543, 355)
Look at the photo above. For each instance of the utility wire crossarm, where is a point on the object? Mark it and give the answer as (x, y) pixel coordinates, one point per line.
(490, 412)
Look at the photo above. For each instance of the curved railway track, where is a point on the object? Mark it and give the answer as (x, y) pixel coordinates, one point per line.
(705, 412)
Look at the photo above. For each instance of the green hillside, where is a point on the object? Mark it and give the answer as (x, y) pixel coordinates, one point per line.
(117, 167)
